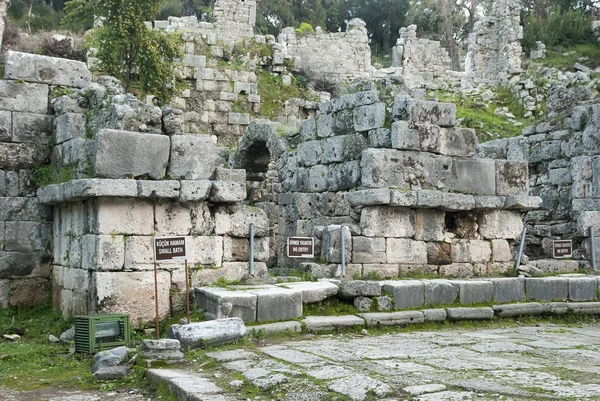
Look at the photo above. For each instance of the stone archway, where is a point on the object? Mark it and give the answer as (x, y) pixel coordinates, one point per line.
(258, 153)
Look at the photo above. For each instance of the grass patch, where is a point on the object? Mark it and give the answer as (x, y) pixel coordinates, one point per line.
(273, 93)
(48, 174)
(330, 307)
(564, 58)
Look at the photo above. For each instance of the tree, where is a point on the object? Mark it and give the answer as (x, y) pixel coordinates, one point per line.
(142, 58)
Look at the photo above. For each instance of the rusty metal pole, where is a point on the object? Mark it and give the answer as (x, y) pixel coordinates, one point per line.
(187, 294)
(156, 298)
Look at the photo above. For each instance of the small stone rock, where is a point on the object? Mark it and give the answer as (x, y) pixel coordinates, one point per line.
(363, 304)
(236, 383)
(53, 339)
(364, 332)
(111, 373)
(68, 335)
(384, 303)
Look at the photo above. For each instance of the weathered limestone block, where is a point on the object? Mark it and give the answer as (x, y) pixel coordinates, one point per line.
(230, 174)
(590, 308)
(227, 192)
(404, 137)
(429, 225)
(522, 202)
(435, 315)
(455, 202)
(325, 126)
(501, 251)
(331, 244)
(349, 101)
(206, 251)
(512, 177)
(5, 126)
(28, 236)
(18, 155)
(552, 266)
(368, 197)
(406, 251)
(359, 288)
(343, 176)
(380, 270)
(380, 138)
(47, 70)
(26, 97)
(139, 253)
(429, 112)
(586, 220)
(103, 252)
(401, 197)
(583, 288)
(458, 142)
(471, 251)
(31, 128)
(489, 202)
(378, 221)
(210, 333)
(458, 314)
(440, 292)
(308, 129)
(236, 220)
(275, 304)
(69, 126)
(369, 250)
(195, 190)
(222, 303)
(123, 216)
(158, 189)
(90, 188)
(172, 218)
(231, 271)
(458, 270)
(522, 309)
(474, 292)
(238, 249)
(317, 178)
(439, 253)
(15, 264)
(402, 107)
(500, 224)
(465, 169)
(313, 292)
(192, 157)
(393, 318)
(310, 153)
(163, 349)
(369, 117)
(131, 293)
(124, 154)
(28, 292)
(326, 323)
(407, 294)
(342, 148)
(547, 289)
(508, 289)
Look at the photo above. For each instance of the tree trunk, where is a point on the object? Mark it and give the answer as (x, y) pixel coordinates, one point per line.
(188, 8)
(2, 17)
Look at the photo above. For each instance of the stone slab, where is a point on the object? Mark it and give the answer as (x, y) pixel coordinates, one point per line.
(209, 333)
(222, 303)
(435, 315)
(26, 97)
(393, 318)
(458, 314)
(407, 294)
(508, 289)
(515, 310)
(278, 327)
(328, 323)
(583, 289)
(359, 288)
(474, 292)
(440, 292)
(48, 70)
(275, 304)
(587, 308)
(313, 292)
(547, 289)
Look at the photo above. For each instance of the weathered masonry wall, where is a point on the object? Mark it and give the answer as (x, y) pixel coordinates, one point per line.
(320, 54)
(565, 172)
(406, 196)
(26, 132)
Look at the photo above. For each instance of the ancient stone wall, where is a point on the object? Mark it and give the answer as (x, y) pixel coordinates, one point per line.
(494, 52)
(424, 62)
(564, 170)
(406, 196)
(26, 134)
(320, 54)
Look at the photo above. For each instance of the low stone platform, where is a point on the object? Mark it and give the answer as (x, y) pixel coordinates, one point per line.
(269, 303)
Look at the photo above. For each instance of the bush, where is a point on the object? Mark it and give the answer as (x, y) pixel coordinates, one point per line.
(11, 34)
(304, 29)
(565, 29)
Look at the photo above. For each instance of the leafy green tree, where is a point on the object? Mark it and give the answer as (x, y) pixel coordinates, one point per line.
(142, 58)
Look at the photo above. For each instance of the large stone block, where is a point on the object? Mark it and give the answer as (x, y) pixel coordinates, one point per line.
(393, 318)
(471, 251)
(429, 112)
(369, 250)
(474, 292)
(440, 292)
(47, 70)
(521, 309)
(331, 246)
(583, 288)
(407, 293)
(69, 126)
(26, 97)
(369, 117)
(406, 251)
(458, 142)
(342, 148)
(28, 236)
(463, 171)
(103, 252)
(458, 314)
(31, 128)
(313, 292)
(195, 190)
(132, 293)
(5, 126)
(212, 333)
(221, 303)
(500, 224)
(403, 137)
(368, 197)
(501, 251)
(508, 289)
(310, 153)
(124, 154)
(167, 189)
(376, 221)
(586, 220)
(123, 216)
(227, 192)
(236, 220)
(16, 264)
(429, 225)
(547, 289)
(205, 251)
(15, 156)
(172, 218)
(238, 249)
(512, 177)
(380, 138)
(192, 157)
(359, 288)
(275, 304)
(343, 176)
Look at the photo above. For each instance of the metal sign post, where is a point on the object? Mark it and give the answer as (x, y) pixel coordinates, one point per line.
(170, 248)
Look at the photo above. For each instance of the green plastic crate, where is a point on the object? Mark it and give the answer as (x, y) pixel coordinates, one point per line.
(95, 333)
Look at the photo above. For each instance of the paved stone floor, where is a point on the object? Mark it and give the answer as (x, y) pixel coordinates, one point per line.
(522, 363)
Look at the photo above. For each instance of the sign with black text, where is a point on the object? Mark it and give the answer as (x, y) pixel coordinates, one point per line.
(167, 248)
(300, 247)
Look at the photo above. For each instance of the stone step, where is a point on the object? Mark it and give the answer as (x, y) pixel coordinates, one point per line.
(187, 385)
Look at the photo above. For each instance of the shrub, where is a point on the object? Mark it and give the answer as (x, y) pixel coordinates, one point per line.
(565, 29)
(11, 34)
(304, 29)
